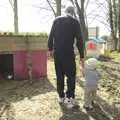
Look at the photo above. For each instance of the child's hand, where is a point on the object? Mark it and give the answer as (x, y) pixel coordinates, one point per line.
(99, 70)
(82, 70)
(82, 65)
(50, 54)
(82, 62)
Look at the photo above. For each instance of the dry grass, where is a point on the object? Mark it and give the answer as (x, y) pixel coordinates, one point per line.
(22, 100)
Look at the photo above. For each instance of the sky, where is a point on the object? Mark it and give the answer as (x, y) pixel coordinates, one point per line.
(34, 19)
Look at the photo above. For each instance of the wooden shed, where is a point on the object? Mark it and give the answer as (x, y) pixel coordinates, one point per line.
(23, 57)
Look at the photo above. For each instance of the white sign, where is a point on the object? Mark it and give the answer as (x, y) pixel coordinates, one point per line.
(93, 31)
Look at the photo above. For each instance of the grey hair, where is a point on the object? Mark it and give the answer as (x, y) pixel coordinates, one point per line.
(70, 10)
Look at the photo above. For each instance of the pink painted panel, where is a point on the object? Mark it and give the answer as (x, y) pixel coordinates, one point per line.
(39, 62)
(20, 66)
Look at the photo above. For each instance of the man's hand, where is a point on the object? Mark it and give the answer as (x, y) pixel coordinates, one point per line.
(50, 54)
(82, 62)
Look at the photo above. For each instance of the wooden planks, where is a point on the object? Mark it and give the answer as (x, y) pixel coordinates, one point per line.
(15, 43)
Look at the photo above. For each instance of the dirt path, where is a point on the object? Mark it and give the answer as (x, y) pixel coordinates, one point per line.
(38, 101)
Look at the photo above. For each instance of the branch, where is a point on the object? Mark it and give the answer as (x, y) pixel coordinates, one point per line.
(54, 3)
(74, 6)
(82, 5)
(102, 5)
(51, 7)
(78, 7)
(72, 2)
(101, 21)
(87, 4)
(93, 11)
(99, 16)
(11, 3)
(36, 6)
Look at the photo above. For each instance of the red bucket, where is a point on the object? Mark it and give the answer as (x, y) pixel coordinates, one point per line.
(91, 45)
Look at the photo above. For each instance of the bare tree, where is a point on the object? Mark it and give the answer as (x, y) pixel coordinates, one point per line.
(58, 7)
(15, 11)
(82, 17)
(115, 16)
(119, 25)
(110, 9)
(95, 13)
(110, 20)
(50, 4)
(57, 3)
(55, 7)
(112, 16)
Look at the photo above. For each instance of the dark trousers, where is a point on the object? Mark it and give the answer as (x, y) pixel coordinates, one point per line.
(65, 66)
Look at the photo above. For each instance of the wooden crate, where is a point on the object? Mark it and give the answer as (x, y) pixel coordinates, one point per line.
(20, 46)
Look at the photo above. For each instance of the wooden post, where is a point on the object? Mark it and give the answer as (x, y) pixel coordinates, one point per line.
(15, 17)
(29, 59)
(97, 32)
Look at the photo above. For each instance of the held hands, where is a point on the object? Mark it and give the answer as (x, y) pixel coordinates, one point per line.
(82, 62)
(50, 54)
(82, 65)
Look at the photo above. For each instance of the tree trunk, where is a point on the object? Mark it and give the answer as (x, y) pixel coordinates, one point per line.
(115, 42)
(81, 17)
(115, 17)
(48, 1)
(119, 26)
(15, 17)
(81, 14)
(119, 43)
(113, 24)
(83, 24)
(58, 7)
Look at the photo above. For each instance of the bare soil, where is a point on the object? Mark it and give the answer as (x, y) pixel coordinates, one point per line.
(38, 100)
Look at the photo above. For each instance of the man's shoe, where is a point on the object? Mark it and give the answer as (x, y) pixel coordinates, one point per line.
(71, 103)
(61, 100)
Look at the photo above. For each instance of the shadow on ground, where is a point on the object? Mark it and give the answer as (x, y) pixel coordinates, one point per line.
(5, 111)
(14, 91)
(96, 114)
(73, 114)
(102, 110)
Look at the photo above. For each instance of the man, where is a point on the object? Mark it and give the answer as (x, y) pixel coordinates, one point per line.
(60, 43)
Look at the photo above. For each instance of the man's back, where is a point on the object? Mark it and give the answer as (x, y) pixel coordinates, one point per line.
(64, 34)
(61, 38)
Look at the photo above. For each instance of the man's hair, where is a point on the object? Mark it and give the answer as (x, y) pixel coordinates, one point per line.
(70, 10)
